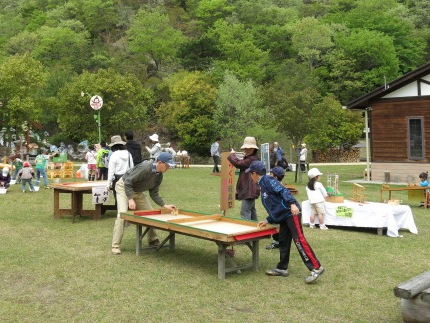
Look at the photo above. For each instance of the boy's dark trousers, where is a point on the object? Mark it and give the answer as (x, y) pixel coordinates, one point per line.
(291, 230)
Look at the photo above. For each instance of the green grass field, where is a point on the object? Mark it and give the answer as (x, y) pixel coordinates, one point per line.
(54, 270)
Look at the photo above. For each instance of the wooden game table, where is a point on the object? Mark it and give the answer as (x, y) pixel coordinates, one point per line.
(76, 190)
(415, 193)
(224, 231)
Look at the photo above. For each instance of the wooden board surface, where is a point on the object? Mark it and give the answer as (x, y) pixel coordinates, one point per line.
(213, 227)
(77, 186)
(221, 226)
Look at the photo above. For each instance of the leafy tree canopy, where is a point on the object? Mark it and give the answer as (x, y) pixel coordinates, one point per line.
(125, 102)
(21, 79)
(336, 128)
(188, 112)
(153, 39)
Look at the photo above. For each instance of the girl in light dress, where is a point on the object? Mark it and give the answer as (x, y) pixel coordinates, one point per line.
(316, 196)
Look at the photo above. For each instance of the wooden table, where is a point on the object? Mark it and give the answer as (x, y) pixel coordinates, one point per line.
(224, 231)
(76, 191)
(415, 193)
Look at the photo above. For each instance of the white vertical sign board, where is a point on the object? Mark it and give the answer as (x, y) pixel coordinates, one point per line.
(100, 194)
(265, 156)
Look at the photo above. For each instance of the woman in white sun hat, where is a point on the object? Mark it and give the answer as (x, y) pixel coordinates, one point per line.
(155, 150)
(247, 190)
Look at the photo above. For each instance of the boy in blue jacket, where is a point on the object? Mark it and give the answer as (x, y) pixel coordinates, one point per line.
(284, 210)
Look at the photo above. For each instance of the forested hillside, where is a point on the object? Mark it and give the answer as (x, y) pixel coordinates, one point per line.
(193, 70)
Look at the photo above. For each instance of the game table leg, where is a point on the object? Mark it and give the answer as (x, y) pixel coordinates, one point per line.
(76, 205)
(171, 239)
(255, 254)
(138, 239)
(221, 260)
(57, 213)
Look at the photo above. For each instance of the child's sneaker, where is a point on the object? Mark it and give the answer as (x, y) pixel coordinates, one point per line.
(277, 272)
(23, 191)
(312, 226)
(323, 227)
(314, 275)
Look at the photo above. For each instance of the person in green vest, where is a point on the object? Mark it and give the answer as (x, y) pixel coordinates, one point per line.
(17, 164)
(41, 166)
(102, 160)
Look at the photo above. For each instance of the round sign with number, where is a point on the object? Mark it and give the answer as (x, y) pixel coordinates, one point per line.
(96, 102)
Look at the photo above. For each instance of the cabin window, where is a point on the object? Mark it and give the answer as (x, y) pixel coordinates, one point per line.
(416, 144)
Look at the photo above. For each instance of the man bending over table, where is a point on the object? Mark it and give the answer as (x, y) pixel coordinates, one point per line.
(146, 176)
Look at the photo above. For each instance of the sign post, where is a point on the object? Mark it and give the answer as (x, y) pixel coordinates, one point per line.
(228, 189)
(96, 103)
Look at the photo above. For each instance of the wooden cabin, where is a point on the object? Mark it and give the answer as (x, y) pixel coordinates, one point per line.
(398, 116)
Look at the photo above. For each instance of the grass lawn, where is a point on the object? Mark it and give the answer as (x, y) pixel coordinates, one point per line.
(54, 270)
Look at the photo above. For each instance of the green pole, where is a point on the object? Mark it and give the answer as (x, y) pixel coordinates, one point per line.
(99, 122)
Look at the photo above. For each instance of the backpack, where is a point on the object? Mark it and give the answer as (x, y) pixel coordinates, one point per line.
(105, 160)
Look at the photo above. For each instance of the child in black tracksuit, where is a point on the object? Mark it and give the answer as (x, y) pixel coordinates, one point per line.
(284, 210)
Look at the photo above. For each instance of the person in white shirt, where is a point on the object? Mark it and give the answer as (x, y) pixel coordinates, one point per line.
(120, 161)
(156, 149)
(316, 196)
(91, 158)
(215, 153)
(303, 156)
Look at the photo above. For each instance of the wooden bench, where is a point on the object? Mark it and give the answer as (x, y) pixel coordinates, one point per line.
(415, 298)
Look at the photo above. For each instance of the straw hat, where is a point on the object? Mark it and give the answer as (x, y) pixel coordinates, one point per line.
(154, 137)
(116, 140)
(249, 142)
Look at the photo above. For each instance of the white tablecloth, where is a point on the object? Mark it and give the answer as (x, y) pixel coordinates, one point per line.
(365, 215)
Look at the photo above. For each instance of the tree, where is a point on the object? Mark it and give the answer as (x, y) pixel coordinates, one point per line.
(21, 43)
(336, 128)
(21, 79)
(372, 55)
(209, 11)
(63, 46)
(294, 113)
(239, 53)
(198, 54)
(153, 39)
(390, 19)
(188, 112)
(237, 112)
(311, 39)
(125, 104)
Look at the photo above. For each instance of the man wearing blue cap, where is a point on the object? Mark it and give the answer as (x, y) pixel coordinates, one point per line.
(283, 209)
(146, 176)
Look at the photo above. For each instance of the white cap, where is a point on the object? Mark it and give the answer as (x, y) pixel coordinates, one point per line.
(314, 172)
(5, 171)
